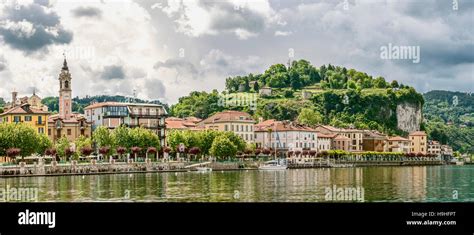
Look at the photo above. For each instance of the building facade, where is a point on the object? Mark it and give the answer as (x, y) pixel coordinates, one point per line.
(36, 118)
(434, 147)
(418, 141)
(241, 123)
(114, 114)
(374, 141)
(285, 136)
(325, 141)
(67, 123)
(355, 136)
(398, 144)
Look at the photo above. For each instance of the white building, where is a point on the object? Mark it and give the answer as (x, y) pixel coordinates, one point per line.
(285, 135)
(325, 141)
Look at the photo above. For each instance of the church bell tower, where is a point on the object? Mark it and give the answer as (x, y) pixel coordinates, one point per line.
(65, 92)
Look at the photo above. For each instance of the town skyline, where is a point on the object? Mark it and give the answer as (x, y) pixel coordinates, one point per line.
(165, 58)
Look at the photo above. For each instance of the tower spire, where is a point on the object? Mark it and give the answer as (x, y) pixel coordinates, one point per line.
(65, 62)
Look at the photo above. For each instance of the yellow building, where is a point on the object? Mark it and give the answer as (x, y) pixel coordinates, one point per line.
(418, 142)
(36, 118)
(241, 123)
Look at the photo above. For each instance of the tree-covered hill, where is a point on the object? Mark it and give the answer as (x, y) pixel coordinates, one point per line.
(328, 94)
(80, 103)
(449, 107)
(449, 118)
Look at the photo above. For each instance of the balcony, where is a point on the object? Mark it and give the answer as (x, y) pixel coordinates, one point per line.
(40, 123)
(115, 114)
(147, 114)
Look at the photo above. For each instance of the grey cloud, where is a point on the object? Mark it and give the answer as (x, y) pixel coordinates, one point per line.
(155, 89)
(42, 34)
(113, 72)
(87, 12)
(231, 19)
(42, 2)
(180, 65)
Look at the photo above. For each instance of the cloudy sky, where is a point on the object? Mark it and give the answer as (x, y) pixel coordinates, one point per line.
(165, 49)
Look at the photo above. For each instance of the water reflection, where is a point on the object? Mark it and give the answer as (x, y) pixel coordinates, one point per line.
(434, 183)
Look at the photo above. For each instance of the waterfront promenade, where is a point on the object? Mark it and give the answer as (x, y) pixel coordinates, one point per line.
(41, 168)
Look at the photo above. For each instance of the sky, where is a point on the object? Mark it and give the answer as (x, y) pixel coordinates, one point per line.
(164, 49)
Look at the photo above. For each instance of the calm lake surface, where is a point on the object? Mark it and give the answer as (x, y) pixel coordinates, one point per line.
(380, 184)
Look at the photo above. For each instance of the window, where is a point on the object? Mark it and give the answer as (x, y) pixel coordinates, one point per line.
(40, 119)
(16, 119)
(27, 118)
(231, 127)
(246, 137)
(40, 130)
(225, 128)
(49, 131)
(241, 127)
(251, 128)
(68, 131)
(247, 128)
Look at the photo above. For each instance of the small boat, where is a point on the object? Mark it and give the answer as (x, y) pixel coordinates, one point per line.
(273, 165)
(203, 169)
(459, 163)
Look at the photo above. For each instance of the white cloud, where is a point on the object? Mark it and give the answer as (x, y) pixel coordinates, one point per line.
(282, 33)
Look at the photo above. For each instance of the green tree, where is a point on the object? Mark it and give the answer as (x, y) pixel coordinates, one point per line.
(379, 82)
(62, 145)
(394, 84)
(82, 142)
(309, 117)
(222, 147)
(19, 135)
(43, 143)
(103, 137)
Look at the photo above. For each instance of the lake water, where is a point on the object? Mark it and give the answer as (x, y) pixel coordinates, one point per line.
(379, 184)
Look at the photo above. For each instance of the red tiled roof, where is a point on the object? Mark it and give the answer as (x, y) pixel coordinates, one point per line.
(418, 133)
(397, 138)
(282, 126)
(23, 110)
(322, 135)
(180, 123)
(265, 123)
(229, 116)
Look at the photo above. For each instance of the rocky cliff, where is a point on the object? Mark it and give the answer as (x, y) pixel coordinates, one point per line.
(409, 116)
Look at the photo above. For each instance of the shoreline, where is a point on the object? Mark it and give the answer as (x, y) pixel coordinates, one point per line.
(154, 167)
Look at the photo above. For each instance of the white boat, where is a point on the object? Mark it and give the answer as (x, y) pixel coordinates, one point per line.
(459, 163)
(203, 169)
(273, 165)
